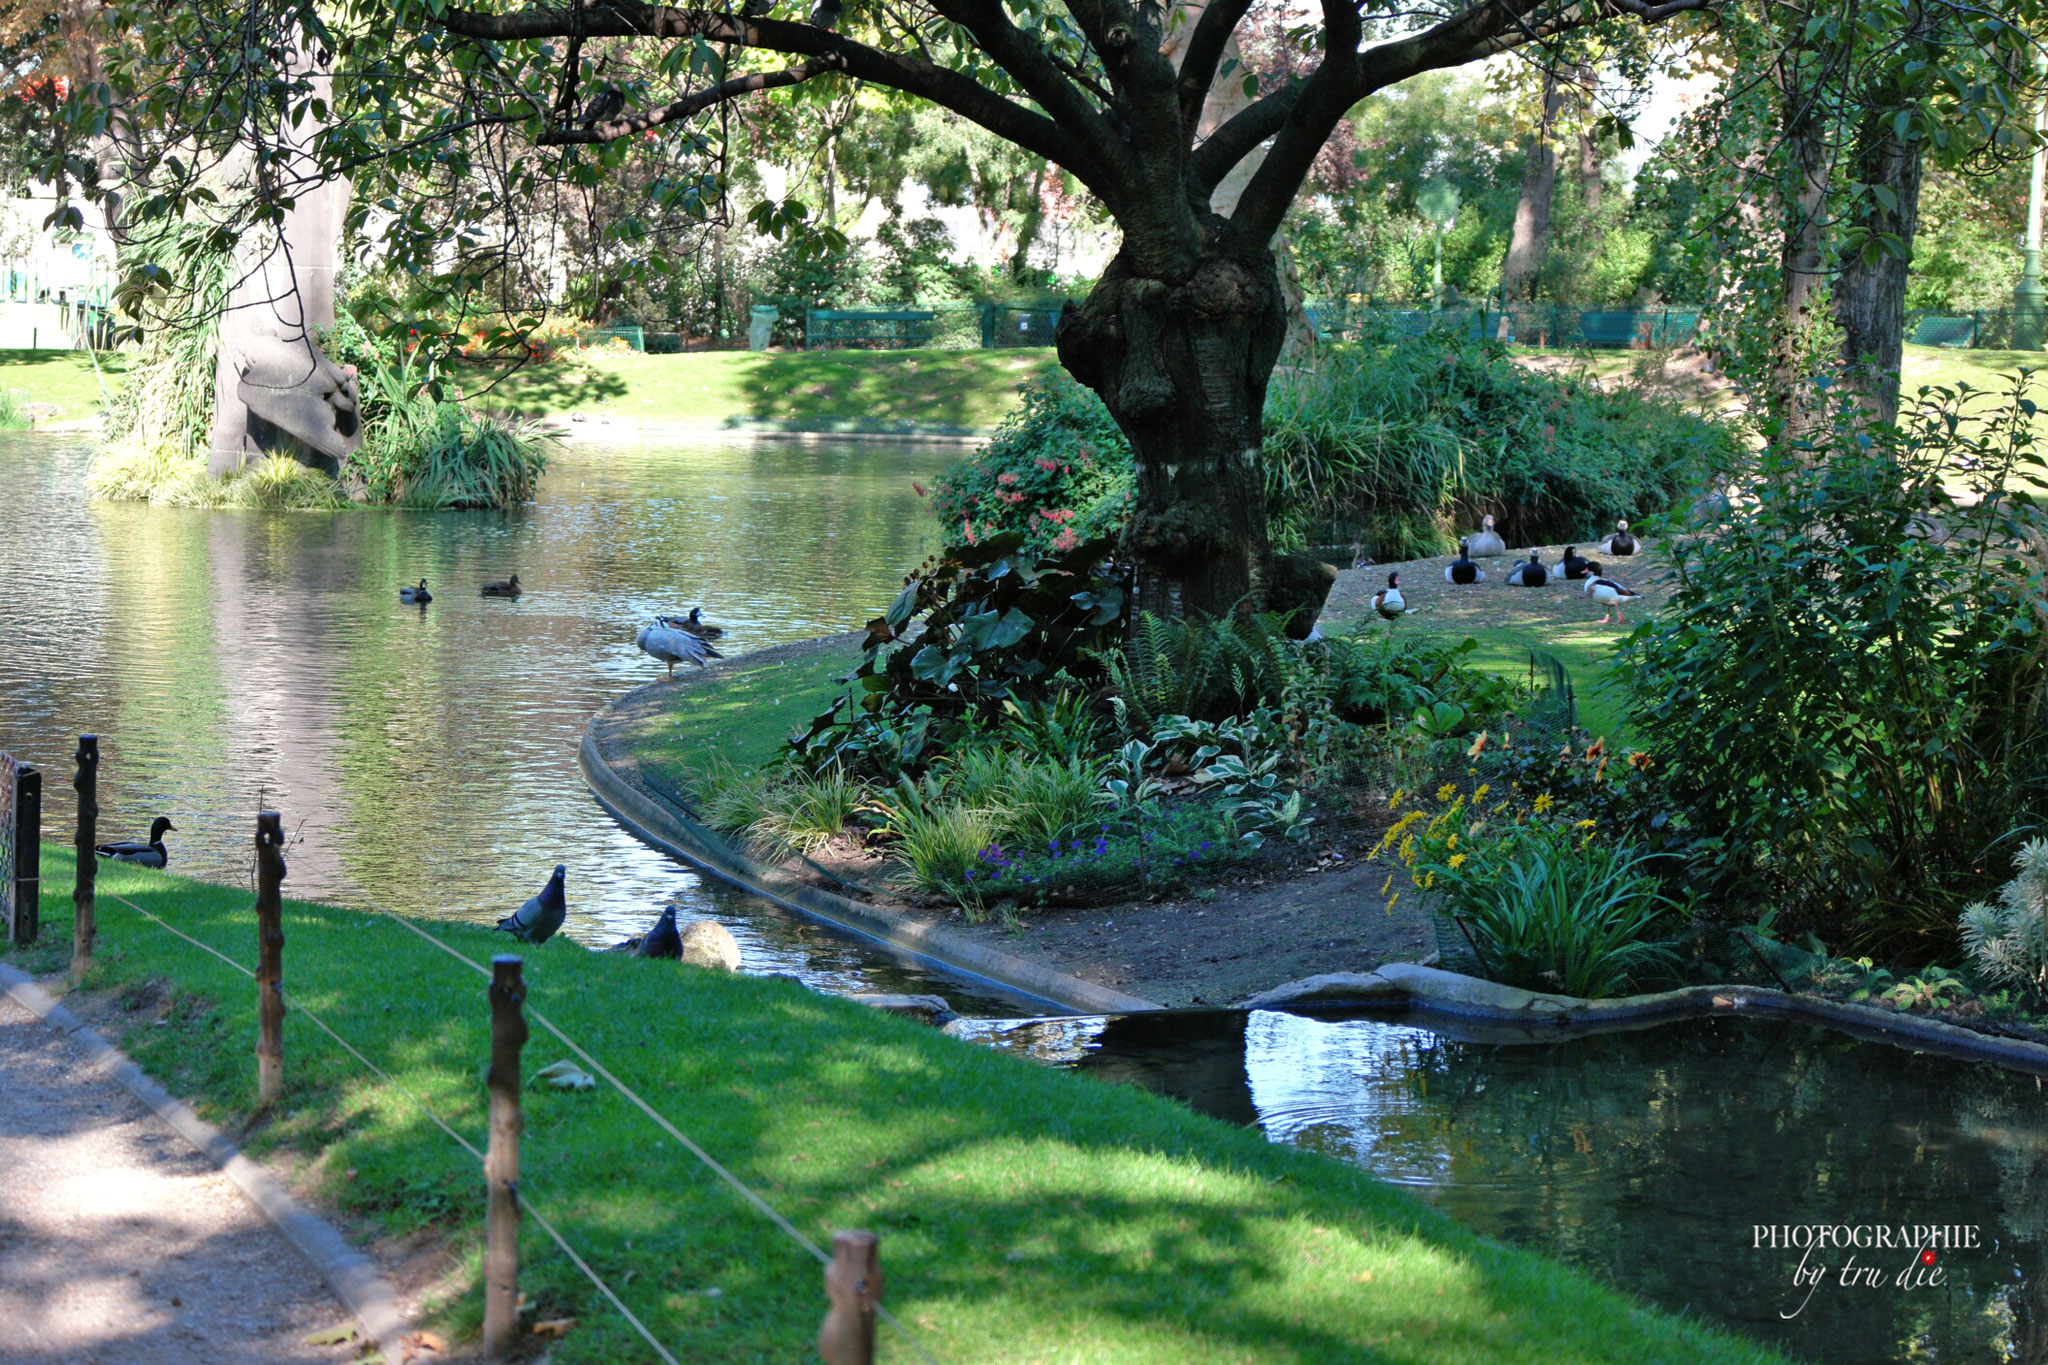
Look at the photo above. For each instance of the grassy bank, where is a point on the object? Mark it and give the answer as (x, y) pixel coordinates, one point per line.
(1027, 1215)
(966, 390)
(64, 378)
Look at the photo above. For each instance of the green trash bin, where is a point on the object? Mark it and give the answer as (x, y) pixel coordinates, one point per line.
(761, 325)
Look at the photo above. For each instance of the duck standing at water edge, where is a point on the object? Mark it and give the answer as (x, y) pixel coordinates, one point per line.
(150, 853)
(673, 646)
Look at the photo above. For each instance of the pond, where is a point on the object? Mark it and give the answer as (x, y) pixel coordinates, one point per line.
(1656, 1159)
(425, 761)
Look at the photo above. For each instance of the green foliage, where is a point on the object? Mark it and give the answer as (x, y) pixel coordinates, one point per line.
(938, 841)
(1400, 437)
(727, 796)
(428, 452)
(1058, 470)
(807, 813)
(12, 416)
(2007, 939)
(1844, 693)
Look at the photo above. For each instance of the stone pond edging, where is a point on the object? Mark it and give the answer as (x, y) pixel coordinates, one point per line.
(363, 1291)
(658, 823)
(1433, 990)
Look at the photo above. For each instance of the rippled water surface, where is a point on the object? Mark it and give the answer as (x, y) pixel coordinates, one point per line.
(1650, 1158)
(426, 760)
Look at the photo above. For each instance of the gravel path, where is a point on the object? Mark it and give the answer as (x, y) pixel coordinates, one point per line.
(120, 1245)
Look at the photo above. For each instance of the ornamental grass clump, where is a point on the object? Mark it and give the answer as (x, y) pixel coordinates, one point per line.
(2007, 940)
(807, 814)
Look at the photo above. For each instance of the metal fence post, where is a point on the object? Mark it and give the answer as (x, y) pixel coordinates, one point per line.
(28, 855)
(501, 1159)
(86, 842)
(269, 956)
(853, 1284)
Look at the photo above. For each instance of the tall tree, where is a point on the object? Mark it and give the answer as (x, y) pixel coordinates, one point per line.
(1531, 240)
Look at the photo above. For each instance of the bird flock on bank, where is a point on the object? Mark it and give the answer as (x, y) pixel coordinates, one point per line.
(1592, 577)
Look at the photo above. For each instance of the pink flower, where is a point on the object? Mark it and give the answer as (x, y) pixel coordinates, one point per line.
(1006, 478)
(1047, 463)
(918, 486)
(1065, 540)
(967, 529)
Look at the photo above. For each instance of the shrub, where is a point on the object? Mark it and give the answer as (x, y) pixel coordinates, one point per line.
(728, 797)
(1058, 470)
(2007, 940)
(1844, 695)
(1048, 799)
(13, 413)
(423, 451)
(807, 814)
(939, 842)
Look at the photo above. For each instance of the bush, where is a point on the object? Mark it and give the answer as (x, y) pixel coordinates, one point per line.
(1845, 692)
(807, 814)
(1058, 471)
(2007, 940)
(427, 452)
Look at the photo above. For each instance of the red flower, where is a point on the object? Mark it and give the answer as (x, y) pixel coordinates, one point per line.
(1047, 463)
(1066, 540)
(918, 486)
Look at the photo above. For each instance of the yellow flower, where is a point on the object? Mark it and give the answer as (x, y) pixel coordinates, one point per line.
(1394, 801)
(1544, 803)
(1584, 824)
(1457, 861)
(1388, 885)
(1479, 793)
(1408, 850)
(1453, 843)
(1478, 746)
(1428, 880)
(1446, 791)
(1390, 902)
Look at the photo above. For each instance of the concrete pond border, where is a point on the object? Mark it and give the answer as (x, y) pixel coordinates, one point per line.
(355, 1280)
(657, 822)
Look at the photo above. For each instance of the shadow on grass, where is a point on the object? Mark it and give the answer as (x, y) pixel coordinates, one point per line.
(538, 388)
(963, 390)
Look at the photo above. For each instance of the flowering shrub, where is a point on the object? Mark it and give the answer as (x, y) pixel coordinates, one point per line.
(1058, 470)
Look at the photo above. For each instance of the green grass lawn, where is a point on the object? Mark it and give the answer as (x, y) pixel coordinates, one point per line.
(965, 390)
(65, 378)
(1026, 1215)
(741, 710)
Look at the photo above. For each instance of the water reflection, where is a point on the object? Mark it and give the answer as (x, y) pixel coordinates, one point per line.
(1650, 1157)
(425, 759)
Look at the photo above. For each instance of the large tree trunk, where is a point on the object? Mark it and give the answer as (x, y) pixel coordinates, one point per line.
(1182, 364)
(1870, 296)
(1531, 239)
(1592, 166)
(1801, 201)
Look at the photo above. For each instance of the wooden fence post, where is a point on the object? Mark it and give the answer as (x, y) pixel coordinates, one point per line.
(853, 1284)
(501, 1159)
(269, 956)
(28, 855)
(87, 784)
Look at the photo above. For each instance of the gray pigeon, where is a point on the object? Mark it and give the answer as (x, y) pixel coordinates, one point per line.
(663, 940)
(673, 646)
(538, 919)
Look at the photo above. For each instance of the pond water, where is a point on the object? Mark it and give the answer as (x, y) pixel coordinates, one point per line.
(426, 760)
(1651, 1158)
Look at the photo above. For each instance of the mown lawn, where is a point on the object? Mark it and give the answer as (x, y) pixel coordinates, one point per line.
(65, 378)
(1027, 1215)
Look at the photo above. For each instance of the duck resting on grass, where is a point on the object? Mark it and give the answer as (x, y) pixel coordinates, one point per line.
(1530, 573)
(151, 853)
(1487, 544)
(537, 920)
(416, 596)
(673, 646)
(1463, 570)
(1621, 543)
(1388, 601)
(1610, 595)
(663, 940)
(694, 623)
(1577, 566)
(509, 588)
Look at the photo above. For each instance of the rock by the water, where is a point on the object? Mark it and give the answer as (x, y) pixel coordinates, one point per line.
(929, 1009)
(708, 943)
(1331, 988)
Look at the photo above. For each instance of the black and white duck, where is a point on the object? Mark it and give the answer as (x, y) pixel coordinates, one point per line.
(1388, 601)
(694, 623)
(509, 588)
(416, 596)
(1530, 573)
(536, 921)
(674, 646)
(663, 940)
(1611, 596)
(1487, 544)
(1576, 566)
(1462, 569)
(1621, 543)
(149, 853)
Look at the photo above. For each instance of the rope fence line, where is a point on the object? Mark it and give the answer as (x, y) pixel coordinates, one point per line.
(525, 1204)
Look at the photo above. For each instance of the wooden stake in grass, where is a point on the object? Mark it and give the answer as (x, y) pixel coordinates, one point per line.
(87, 784)
(501, 1159)
(269, 956)
(28, 855)
(853, 1284)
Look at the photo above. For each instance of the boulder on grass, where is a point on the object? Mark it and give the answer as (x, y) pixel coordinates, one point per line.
(708, 943)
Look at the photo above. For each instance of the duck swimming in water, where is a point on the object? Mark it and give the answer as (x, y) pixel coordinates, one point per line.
(1463, 570)
(416, 596)
(509, 588)
(694, 623)
(151, 853)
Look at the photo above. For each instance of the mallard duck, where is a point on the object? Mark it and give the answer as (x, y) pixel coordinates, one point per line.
(1576, 566)
(1621, 542)
(663, 940)
(1463, 570)
(1610, 595)
(537, 920)
(143, 854)
(1388, 601)
(419, 595)
(673, 646)
(1530, 573)
(509, 588)
(694, 623)
(1487, 543)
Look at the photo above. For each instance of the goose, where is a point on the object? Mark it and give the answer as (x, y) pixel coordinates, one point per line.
(1388, 601)
(537, 920)
(1610, 595)
(694, 623)
(1464, 570)
(1487, 543)
(1359, 558)
(663, 940)
(1530, 573)
(673, 647)
(1576, 565)
(509, 588)
(143, 854)
(418, 595)
(1621, 542)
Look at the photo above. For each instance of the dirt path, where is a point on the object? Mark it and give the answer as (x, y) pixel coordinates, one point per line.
(120, 1245)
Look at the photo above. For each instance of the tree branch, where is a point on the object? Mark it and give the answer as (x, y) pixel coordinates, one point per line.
(695, 104)
(1204, 53)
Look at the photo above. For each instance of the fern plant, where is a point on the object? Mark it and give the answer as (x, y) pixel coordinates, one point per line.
(1203, 669)
(2007, 940)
